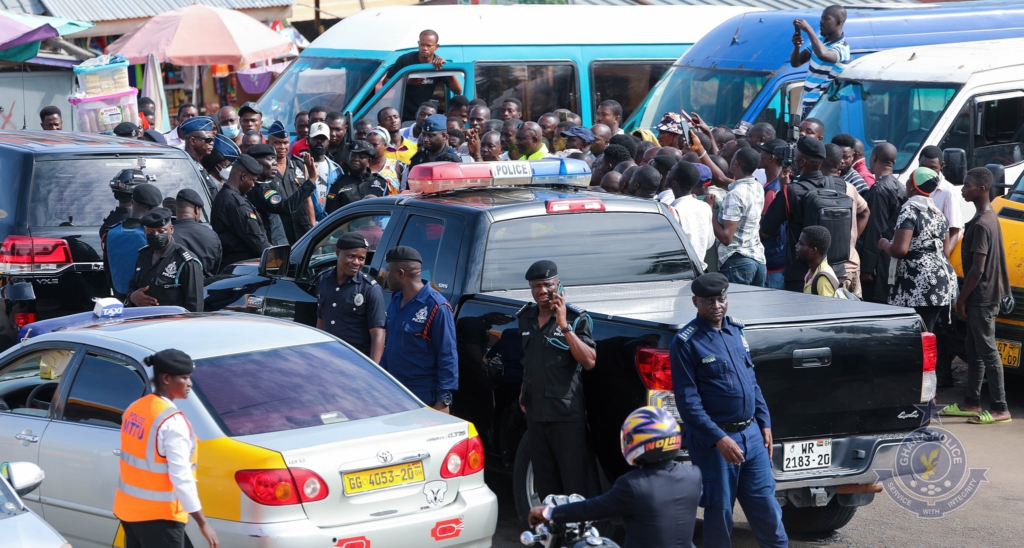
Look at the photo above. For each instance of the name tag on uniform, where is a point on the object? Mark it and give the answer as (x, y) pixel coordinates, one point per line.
(708, 359)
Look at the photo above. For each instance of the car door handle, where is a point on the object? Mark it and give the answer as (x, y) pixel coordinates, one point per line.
(812, 357)
(26, 437)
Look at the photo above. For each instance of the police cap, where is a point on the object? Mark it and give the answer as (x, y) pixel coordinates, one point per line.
(250, 164)
(712, 284)
(261, 150)
(541, 270)
(154, 136)
(172, 362)
(147, 195)
(190, 196)
(403, 254)
(226, 147)
(197, 123)
(811, 147)
(157, 218)
(352, 240)
(127, 129)
(363, 147)
(277, 130)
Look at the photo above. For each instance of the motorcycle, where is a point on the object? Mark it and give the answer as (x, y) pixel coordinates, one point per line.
(567, 535)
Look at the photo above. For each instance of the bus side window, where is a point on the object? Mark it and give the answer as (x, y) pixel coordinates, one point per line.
(540, 87)
(628, 82)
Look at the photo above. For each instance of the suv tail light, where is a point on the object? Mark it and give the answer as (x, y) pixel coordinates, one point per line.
(27, 254)
(929, 355)
(281, 486)
(575, 205)
(655, 368)
(466, 458)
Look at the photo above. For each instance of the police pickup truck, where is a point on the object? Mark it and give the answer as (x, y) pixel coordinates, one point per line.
(841, 378)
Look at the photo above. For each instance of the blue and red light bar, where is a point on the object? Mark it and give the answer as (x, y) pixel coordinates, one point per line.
(442, 176)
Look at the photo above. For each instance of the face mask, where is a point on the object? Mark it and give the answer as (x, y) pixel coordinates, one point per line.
(158, 241)
(230, 131)
(225, 173)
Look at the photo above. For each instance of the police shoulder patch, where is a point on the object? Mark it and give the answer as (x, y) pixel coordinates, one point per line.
(574, 308)
(186, 255)
(252, 215)
(523, 309)
(735, 322)
(687, 332)
(275, 199)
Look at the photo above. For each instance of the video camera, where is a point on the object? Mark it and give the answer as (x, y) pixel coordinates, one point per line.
(784, 155)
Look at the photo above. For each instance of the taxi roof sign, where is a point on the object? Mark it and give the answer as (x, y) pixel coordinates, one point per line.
(442, 176)
(87, 319)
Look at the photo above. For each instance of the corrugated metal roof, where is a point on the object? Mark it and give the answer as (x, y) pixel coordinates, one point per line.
(766, 4)
(113, 10)
(34, 7)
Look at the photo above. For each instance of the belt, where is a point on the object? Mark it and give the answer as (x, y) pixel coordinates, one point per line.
(734, 427)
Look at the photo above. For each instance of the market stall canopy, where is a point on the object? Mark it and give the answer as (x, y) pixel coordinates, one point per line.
(202, 35)
(21, 34)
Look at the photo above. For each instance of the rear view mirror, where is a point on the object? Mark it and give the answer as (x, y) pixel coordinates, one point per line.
(998, 180)
(274, 262)
(19, 291)
(954, 167)
(24, 477)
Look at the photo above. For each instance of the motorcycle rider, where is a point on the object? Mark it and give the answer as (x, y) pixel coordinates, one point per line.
(657, 501)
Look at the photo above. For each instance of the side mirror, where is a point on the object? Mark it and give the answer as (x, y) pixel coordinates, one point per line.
(274, 262)
(998, 180)
(24, 477)
(954, 167)
(19, 291)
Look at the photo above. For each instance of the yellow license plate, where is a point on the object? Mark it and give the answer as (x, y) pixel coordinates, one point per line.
(381, 478)
(1009, 352)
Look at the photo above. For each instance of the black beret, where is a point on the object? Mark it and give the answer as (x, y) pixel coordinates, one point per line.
(403, 254)
(713, 284)
(157, 218)
(154, 136)
(541, 270)
(811, 147)
(352, 240)
(250, 164)
(363, 147)
(172, 362)
(147, 195)
(261, 150)
(127, 129)
(190, 196)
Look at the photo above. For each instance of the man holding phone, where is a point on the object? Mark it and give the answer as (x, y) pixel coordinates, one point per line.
(558, 345)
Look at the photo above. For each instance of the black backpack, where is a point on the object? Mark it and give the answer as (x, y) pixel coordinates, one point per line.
(832, 209)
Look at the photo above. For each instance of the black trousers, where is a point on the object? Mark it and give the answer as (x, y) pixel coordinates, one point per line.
(159, 533)
(563, 463)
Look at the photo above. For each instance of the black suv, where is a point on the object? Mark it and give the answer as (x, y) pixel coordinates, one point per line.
(54, 195)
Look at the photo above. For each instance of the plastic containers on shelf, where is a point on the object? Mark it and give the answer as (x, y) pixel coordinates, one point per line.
(103, 113)
(103, 80)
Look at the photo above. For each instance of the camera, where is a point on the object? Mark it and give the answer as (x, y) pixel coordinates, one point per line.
(784, 155)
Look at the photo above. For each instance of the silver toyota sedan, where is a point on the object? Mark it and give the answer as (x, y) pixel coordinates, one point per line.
(304, 442)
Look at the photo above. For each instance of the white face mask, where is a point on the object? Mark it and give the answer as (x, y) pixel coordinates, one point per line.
(225, 173)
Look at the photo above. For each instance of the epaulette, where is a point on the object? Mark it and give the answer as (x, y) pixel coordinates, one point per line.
(523, 309)
(368, 279)
(734, 321)
(687, 332)
(141, 249)
(574, 308)
(186, 255)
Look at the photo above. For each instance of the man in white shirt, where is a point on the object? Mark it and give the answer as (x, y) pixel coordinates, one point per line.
(946, 197)
(693, 215)
(174, 137)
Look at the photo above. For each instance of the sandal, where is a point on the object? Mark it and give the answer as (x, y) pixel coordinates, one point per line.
(986, 418)
(953, 410)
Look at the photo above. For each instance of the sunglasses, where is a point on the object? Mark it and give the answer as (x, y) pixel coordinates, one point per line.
(207, 140)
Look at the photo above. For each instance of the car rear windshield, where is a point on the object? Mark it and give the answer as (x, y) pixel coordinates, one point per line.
(295, 387)
(589, 249)
(77, 191)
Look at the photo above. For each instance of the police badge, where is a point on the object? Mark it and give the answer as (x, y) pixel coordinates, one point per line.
(358, 299)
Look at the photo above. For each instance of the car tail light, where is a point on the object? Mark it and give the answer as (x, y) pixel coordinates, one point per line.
(929, 355)
(466, 458)
(26, 254)
(21, 319)
(281, 486)
(575, 205)
(655, 368)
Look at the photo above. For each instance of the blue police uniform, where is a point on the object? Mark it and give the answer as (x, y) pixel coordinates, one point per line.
(123, 244)
(716, 393)
(420, 350)
(350, 309)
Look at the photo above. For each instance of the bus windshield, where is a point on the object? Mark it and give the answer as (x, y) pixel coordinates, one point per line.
(901, 113)
(312, 81)
(720, 97)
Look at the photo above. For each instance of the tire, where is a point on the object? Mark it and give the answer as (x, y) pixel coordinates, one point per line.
(817, 519)
(523, 492)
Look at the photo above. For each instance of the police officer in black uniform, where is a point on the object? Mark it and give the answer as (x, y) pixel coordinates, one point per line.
(234, 219)
(558, 346)
(198, 238)
(268, 196)
(290, 179)
(349, 304)
(166, 274)
(358, 182)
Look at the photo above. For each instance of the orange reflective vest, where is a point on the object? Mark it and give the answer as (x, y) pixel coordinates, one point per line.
(144, 490)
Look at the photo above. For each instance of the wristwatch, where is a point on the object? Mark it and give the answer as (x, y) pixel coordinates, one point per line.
(446, 399)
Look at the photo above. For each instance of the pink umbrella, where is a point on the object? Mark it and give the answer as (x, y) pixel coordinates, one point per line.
(202, 35)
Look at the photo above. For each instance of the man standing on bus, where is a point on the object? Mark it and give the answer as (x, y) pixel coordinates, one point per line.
(828, 54)
(421, 90)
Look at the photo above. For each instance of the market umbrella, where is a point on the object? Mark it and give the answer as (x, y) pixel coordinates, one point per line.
(19, 40)
(153, 87)
(202, 35)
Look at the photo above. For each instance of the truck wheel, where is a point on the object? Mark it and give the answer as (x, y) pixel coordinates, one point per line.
(817, 519)
(523, 492)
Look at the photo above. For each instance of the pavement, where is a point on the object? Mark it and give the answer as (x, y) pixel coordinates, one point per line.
(990, 518)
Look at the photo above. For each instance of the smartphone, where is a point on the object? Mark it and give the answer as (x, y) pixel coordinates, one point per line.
(686, 116)
(560, 291)
(563, 116)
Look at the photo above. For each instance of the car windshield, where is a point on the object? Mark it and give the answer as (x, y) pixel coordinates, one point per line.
(646, 248)
(77, 192)
(720, 97)
(901, 113)
(295, 387)
(312, 81)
